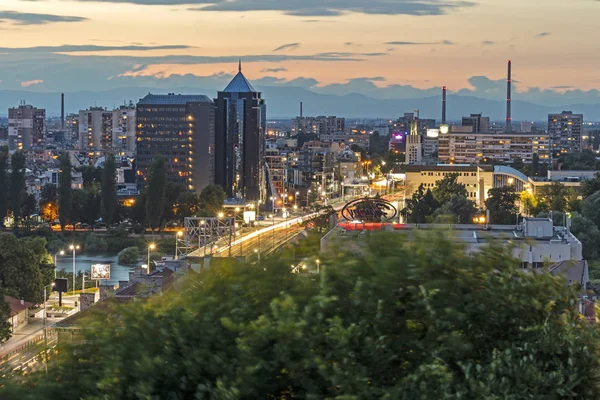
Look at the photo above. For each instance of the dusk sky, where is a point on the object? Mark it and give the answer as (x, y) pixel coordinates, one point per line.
(423, 44)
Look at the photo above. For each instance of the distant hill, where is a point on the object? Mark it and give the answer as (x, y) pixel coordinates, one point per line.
(283, 102)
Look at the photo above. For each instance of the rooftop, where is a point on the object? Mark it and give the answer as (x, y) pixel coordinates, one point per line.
(16, 305)
(239, 84)
(171, 98)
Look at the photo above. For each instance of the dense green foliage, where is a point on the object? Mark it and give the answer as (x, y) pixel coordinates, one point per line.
(212, 198)
(65, 193)
(405, 320)
(18, 188)
(156, 192)
(421, 205)
(5, 325)
(25, 267)
(109, 189)
(4, 183)
(129, 256)
(501, 205)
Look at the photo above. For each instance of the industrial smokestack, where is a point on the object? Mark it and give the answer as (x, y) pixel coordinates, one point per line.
(444, 105)
(62, 111)
(508, 98)
(300, 109)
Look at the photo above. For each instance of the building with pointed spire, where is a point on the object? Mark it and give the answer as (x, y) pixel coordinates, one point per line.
(240, 124)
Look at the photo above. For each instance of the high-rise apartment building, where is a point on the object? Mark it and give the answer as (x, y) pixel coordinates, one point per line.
(102, 130)
(414, 145)
(124, 128)
(181, 128)
(26, 127)
(240, 123)
(565, 131)
(95, 129)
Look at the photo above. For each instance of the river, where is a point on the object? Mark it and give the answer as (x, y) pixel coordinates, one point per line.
(83, 262)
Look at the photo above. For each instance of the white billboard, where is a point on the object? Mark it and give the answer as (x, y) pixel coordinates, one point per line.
(100, 271)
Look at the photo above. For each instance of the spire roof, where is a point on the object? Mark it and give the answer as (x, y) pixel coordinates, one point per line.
(239, 84)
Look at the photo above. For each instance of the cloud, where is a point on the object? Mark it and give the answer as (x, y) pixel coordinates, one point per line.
(74, 48)
(287, 46)
(31, 83)
(274, 70)
(20, 18)
(318, 8)
(488, 43)
(404, 43)
(543, 34)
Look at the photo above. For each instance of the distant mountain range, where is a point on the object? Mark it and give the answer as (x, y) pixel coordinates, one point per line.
(284, 102)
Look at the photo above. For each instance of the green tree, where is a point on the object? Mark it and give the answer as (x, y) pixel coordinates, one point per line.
(48, 193)
(188, 204)
(588, 234)
(460, 208)
(173, 192)
(518, 164)
(420, 206)
(590, 208)
(448, 186)
(212, 198)
(109, 190)
(404, 320)
(501, 205)
(4, 182)
(18, 188)
(65, 192)
(91, 175)
(557, 195)
(535, 164)
(156, 192)
(590, 186)
(5, 326)
(20, 273)
(129, 256)
(29, 206)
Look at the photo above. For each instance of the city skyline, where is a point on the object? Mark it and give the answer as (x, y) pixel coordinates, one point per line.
(386, 49)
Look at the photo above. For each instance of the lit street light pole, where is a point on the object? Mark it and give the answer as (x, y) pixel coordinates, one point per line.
(179, 234)
(73, 248)
(152, 246)
(62, 253)
(318, 263)
(45, 333)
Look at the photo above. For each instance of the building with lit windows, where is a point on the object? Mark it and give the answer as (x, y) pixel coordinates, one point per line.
(124, 129)
(474, 148)
(565, 131)
(181, 129)
(26, 127)
(240, 126)
(95, 129)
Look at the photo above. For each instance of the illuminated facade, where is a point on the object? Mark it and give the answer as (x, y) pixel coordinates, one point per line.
(26, 127)
(181, 129)
(475, 148)
(565, 131)
(240, 126)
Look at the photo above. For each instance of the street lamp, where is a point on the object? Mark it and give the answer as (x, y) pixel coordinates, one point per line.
(73, 248)
(286, 219)
(221, 215)
(318, 263)
(62, 253)
(179, 235)
(152, 246)
(45, 334)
